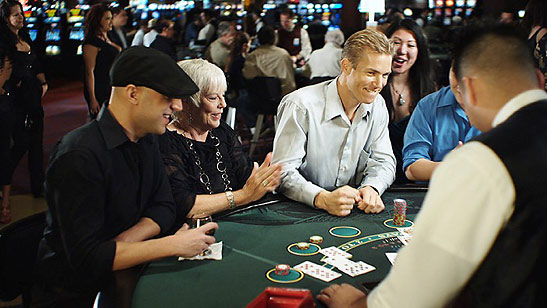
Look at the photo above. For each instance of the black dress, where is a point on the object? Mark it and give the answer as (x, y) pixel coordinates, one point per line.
(184, 174)
(106, 55)
(28, 126)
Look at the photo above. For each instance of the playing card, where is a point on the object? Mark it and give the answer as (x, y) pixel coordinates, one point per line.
(405, 235)
(338, 261)
(334, 252)
(356, 269)
(317, 271)
(391, 256)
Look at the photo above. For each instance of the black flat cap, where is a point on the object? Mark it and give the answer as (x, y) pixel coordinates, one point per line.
(151, 68)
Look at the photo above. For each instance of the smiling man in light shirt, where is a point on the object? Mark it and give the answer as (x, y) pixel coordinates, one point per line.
(332, 138)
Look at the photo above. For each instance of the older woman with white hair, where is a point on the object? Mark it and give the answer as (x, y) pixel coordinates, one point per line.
(208, 170)
(324, 63)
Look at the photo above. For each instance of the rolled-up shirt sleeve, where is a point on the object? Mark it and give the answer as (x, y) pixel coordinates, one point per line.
(380, 169)
(289, 149)
(418, 139)
(76, 196)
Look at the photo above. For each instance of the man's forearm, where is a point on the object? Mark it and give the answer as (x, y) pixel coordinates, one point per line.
(143, 230)
(129, 254)
(421, 170)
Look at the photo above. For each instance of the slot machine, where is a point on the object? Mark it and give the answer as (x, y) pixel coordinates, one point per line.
(52, 32)
(445, 10)
(75, 29)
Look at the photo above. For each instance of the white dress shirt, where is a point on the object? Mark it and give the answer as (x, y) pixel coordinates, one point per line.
(149, 38)
(206, 33)
(138, 38)
(471, 197)
(325, 62)
(320, 148)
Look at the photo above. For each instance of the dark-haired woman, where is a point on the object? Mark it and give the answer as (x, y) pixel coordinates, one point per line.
(26, 85)
(535, 21)
(410, 80)
(99, 53)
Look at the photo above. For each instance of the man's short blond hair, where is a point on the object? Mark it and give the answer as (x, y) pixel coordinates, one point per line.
(366, 41)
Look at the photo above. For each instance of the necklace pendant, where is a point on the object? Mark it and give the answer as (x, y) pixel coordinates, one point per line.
(401, 100)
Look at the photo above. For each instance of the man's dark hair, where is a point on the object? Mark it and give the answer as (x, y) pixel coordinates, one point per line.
(488, 46)
(266, 36)
(287, 11)
(160, 25)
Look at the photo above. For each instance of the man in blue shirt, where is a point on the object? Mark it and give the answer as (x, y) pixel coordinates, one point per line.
(437, 126)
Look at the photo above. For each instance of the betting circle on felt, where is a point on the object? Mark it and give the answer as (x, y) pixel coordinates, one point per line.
(293, 276)
(344, 231)
(389, 223)
(313, 249)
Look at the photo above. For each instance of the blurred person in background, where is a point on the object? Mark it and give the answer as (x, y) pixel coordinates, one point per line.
(27, 85)
(535, 21)
(118, 34)
(98, 53)
(217, 53)
(324, 63)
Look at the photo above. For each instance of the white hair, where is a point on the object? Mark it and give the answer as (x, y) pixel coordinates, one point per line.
(208, 77)
(335, 36)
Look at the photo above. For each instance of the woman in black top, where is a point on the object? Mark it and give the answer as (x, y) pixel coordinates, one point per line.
(26, 85)
(99, 53)
(206, 166)
(535, 21)
(410, 80)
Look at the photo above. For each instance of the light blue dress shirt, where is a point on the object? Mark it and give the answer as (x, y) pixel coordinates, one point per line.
(435, 127)
(320, 148)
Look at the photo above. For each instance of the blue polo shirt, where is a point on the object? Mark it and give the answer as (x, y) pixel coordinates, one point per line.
(435, 127)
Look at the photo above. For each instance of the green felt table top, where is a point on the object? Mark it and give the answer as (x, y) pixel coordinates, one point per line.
(256, 240)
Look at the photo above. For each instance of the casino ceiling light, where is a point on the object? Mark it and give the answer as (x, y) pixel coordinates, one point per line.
(407, 12)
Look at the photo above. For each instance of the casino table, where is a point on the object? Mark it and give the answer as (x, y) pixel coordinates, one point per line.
(256, 239)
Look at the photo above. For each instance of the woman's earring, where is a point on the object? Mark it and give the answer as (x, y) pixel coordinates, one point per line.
(189, 118)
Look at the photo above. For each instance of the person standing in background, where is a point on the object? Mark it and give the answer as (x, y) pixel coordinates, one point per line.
(27, 85)
(118, 35)
(98, 53)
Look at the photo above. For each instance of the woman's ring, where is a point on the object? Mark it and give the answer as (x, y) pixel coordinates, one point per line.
(265, 183)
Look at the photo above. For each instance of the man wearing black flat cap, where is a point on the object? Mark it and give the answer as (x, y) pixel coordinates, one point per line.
(109, 201)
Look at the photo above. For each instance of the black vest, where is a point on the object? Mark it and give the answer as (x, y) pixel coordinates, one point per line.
(290, 41)
(512, 274)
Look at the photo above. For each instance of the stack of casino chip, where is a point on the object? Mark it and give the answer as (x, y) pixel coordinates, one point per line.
(316, 239)
(302, 245)
(282, 269)
(399, 215)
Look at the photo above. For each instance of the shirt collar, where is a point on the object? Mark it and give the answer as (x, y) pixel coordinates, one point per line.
(112, 131)
(513, 105)
(334, 107)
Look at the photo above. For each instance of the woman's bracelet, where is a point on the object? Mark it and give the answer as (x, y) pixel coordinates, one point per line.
(231, 200)
(43, 83)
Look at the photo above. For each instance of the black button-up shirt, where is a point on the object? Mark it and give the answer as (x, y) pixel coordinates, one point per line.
(99, 184)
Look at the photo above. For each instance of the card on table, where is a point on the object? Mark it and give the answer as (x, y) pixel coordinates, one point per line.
(334, 252)
(317, 271)
(349, 267)
(405, 235)
(391, 256)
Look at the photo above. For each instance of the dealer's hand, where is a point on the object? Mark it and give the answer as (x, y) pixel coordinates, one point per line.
(370, 200)
(338, 202)
(343, 296)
